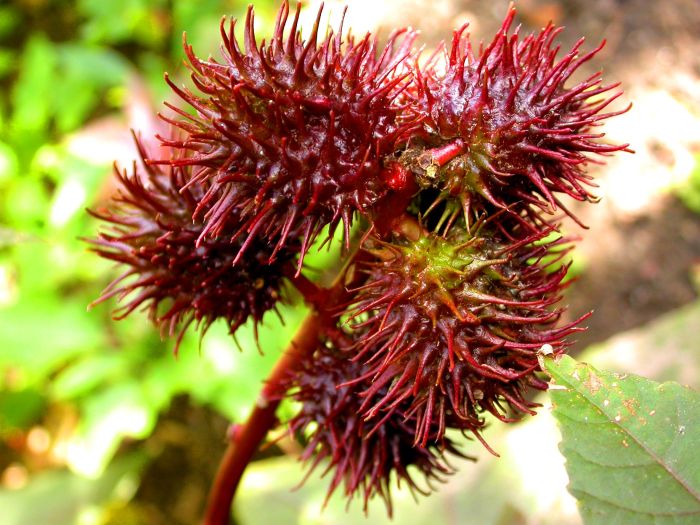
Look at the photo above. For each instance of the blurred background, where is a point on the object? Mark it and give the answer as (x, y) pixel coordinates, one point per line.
(100, 424)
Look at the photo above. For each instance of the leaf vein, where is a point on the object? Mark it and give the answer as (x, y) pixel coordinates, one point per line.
(694, 493)
(636, 511)
(610, 465)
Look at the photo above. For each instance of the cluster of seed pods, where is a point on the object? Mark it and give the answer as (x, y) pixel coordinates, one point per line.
(446, 177)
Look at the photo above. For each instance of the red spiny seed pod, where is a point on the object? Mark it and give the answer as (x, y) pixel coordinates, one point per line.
(454, 324)
(360, 455)
(177, 279)
(291, 135)
(501, 125)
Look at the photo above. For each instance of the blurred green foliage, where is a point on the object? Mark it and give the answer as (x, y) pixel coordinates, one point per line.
(65, 73)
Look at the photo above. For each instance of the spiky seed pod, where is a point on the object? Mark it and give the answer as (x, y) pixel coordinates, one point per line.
(291, 135)
(502, 126)
(361, 456)
(454, 325)
(177, 279)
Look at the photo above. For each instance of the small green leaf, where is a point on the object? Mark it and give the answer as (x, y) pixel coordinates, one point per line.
(20, 409)
(31, 94)
(630, 445)
(9, 20)
(90, 371)
(86, 73)
(38, 337)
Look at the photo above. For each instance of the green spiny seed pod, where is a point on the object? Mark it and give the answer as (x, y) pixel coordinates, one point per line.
(453, 325)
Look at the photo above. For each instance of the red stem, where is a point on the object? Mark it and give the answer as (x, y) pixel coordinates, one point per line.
(441, 155)
(246, 441)
(247, 438)
(315, 295)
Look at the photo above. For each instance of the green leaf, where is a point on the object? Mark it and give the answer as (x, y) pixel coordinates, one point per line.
(9, 20)
(630, 445)
(7, 61)
(31, 96)
(94, 370)
(141, 21)
(38, 337)
(20, 409)
(86, 71)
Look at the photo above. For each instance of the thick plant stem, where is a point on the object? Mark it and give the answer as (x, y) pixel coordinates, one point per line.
(246, 439)
(245, 442)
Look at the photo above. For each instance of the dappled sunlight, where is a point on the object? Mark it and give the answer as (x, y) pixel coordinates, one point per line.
(220, 354)
(8, 286)
(530, 448)
(665, 135)
(69, 199)
(665, 349)
(89, 454)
